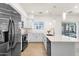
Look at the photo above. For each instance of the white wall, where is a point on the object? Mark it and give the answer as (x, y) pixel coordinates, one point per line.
(46, 21)
(55, 22)
(55, 25)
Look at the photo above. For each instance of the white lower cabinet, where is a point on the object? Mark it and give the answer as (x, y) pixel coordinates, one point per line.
(62, 49)
(77, 49)
(44, 41)
(45, 44)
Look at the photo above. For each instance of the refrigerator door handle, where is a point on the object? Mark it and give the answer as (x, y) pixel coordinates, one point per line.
(10, 34)
(13, 34)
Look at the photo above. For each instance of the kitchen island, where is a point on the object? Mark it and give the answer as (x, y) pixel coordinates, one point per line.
(66, 46)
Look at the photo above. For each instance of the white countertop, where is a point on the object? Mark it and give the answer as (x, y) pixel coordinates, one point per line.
(62, 39)
(25, 30)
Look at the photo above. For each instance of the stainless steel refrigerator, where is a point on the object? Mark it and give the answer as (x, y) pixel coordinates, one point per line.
(10, 33)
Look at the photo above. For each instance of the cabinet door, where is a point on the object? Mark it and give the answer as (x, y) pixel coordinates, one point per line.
(45, 43)
(62, 49)
(77, 49)
(27, 23)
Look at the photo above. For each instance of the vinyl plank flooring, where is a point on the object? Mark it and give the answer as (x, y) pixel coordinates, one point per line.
(34, 49)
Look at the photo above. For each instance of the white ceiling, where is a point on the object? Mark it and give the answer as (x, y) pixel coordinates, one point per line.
(48, 8)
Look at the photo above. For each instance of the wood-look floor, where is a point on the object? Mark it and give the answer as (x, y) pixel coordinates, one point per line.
(34, 49)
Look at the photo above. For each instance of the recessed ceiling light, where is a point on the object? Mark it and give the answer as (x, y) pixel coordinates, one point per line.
(47, 11)
(32, 11)
(64, 15)
(50, 23)
(75, 6)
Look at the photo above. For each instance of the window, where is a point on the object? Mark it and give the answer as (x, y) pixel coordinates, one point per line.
(38, 25)
(69, 29)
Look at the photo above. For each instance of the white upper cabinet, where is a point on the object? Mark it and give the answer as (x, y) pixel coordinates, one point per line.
(28, 24)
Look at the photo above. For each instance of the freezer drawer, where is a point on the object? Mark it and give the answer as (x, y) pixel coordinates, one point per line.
(3, 47)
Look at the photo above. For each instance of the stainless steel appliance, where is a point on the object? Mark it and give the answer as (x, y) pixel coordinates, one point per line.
(10, 34)
(24, 42)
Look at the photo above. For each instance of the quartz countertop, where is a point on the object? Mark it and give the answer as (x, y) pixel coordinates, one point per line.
(62, 39)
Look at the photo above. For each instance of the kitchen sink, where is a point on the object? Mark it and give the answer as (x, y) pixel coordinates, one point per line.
(50, 35)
